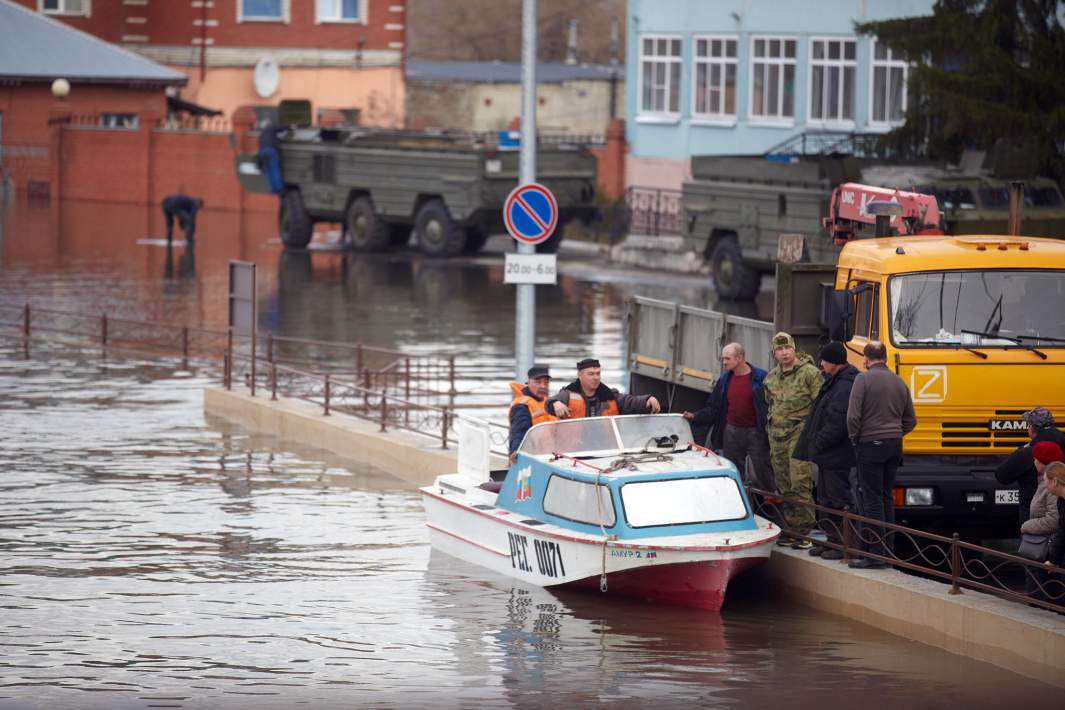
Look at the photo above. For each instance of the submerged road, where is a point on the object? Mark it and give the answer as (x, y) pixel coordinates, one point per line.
(150, 557)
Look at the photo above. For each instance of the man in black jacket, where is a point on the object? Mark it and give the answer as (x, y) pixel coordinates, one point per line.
(824, 440)
(1019, 467)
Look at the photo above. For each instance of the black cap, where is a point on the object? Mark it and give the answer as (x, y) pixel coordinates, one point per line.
(834, 352)
(587, 362)
(538, 371)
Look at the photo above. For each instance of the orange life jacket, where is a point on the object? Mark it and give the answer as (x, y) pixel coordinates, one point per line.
(577, 408)
(537, 409)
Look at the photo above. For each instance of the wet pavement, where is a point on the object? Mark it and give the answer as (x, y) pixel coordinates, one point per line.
(150, 557)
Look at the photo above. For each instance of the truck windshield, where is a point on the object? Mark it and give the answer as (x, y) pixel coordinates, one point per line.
(978, 308)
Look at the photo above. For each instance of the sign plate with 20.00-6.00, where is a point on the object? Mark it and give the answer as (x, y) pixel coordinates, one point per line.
(530, 269)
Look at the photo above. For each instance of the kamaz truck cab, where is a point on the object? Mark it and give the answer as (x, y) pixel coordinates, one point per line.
(975, 325)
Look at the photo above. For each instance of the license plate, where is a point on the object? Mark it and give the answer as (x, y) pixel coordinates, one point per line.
(1007, 497)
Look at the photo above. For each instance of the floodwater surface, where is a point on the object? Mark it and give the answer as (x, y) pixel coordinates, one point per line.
(152, 557)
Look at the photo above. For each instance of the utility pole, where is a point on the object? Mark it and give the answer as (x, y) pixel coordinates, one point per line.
(525, 307)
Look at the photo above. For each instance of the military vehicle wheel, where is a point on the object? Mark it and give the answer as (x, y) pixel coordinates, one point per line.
(438, 235)
(398, 235)
(734, 280)
(551, 244)
(366, 230)
(475, 239)
(295, 223)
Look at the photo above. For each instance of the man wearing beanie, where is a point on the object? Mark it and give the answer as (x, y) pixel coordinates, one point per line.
(824, 441)
(587, 396)
(1019, 467)
(528, 406)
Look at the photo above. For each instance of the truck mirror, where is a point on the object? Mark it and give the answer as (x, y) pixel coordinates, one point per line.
(836, 312)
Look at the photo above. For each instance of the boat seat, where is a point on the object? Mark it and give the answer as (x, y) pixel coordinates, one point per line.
(491, 486)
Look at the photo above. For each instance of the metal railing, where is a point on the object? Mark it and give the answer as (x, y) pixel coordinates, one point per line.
(653, 211)
(949, 559)
(424, 392)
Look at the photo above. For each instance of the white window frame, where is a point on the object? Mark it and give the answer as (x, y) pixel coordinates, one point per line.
(672, 62)
(842, 64)
(721, 118)
(887, 64)
(320, 19)
(86, 9)
(779, 119)
(286, 13)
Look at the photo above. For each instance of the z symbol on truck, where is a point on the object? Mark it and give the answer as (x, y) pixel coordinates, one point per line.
(928, 383)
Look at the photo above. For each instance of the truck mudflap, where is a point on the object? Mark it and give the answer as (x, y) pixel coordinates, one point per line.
(945, 498)
(249, 174)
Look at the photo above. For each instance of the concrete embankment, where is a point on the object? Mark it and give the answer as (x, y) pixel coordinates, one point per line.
(405, 455)
(1021, 639)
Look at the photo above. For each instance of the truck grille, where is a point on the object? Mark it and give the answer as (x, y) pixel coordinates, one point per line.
(977, 434)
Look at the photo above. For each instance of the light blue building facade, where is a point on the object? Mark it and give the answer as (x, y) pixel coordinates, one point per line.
(737, 77)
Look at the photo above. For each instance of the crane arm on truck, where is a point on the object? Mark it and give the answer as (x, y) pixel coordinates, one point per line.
(848, 211)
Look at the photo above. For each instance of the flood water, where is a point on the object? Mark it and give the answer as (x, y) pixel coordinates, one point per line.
(151, 557)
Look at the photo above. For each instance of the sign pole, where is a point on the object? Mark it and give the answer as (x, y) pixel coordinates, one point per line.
(525, 306)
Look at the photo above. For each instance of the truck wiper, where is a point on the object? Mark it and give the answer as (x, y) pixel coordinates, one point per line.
(1041, 337)
(1010, 338)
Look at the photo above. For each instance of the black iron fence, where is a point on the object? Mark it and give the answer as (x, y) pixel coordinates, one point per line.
(962, 564)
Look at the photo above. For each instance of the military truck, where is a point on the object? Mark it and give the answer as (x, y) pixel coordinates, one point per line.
(736, 207)
(445, 188)
(972, 324)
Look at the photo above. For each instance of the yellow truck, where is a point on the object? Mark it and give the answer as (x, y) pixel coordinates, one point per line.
(975, 325)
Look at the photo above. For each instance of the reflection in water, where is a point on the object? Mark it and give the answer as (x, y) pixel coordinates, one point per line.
(187, 266)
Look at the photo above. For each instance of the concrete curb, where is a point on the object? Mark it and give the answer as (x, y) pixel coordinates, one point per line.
(1021, 639)
(408, 456)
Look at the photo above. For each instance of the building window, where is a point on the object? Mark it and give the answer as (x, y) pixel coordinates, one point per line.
(660, 75)
(891, 76)
(340, 11)
(832, 67)
(773, 78)
(262, 10)
(64, 7)
(120, 120)
(715, 78)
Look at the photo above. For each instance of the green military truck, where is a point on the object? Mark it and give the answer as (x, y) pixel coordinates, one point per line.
(736, 207)
(384, 185)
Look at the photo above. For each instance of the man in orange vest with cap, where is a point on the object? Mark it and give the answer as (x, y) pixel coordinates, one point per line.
(529, 406)
(587, 396)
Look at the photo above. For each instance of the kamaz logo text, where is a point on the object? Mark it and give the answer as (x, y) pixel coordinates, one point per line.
(1007, 425)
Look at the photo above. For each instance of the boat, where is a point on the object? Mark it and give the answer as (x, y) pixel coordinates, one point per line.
(628, 505)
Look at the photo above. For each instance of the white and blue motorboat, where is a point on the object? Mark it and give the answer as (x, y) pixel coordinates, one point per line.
(628, 505)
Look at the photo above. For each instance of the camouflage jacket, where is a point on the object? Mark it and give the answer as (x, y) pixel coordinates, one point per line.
(790, 393)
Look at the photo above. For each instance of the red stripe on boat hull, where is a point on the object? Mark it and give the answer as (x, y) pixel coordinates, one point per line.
(699, 585)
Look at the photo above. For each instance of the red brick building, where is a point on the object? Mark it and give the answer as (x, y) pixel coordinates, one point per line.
(340, 54)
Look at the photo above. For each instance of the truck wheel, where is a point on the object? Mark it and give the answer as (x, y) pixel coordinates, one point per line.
(295, 223)
(551, 244)
(398, 235)
(438, 235)
(734, 280)
(366, 230)
(475, 239)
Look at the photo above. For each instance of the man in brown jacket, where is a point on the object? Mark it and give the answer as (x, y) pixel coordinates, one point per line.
(879, 414)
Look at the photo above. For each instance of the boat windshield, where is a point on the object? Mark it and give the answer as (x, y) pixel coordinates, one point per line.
(600, 435)
(978, 309)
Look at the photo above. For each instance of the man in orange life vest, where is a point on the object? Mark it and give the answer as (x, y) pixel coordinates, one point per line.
(528, 406)
(587, 396)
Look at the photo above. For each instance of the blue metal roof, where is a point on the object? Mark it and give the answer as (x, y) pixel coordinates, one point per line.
(508, 72)
(37, 48)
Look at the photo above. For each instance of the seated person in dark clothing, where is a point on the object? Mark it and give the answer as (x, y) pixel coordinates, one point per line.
(1019, 467)
(184, 209)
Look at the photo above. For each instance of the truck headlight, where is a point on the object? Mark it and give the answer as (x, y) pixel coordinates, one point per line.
(918, 496)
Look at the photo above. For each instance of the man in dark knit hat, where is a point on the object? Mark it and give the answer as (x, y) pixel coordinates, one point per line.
(824, 440)
(529, 406)
(1019, 467)
(587, 396)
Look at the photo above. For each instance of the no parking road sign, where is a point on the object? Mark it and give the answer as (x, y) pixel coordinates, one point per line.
(530, 213)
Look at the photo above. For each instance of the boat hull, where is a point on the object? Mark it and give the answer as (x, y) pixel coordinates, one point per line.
(679, 571)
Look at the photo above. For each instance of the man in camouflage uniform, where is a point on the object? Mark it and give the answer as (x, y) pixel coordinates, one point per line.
(790, 388)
